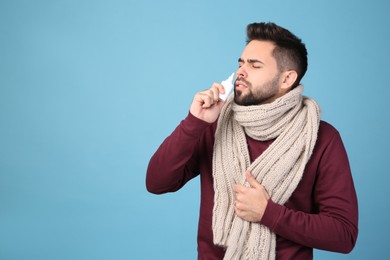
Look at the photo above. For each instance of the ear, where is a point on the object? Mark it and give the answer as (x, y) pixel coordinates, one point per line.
(289, 77)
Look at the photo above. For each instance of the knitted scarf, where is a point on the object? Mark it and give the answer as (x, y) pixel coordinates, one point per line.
(293, 121)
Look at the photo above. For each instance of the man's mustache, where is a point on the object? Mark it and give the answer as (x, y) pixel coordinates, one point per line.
(242, 80)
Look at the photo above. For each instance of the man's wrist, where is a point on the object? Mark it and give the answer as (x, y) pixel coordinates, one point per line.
(271, 214)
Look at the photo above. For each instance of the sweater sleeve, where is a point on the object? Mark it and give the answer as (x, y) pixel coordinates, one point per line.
(175, 163)
(333, 225)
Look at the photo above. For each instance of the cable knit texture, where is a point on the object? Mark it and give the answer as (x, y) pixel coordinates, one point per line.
(293, 121)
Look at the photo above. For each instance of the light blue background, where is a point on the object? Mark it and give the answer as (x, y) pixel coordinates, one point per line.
(89, 90)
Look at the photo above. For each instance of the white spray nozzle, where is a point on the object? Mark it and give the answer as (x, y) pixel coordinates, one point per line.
(228, 85)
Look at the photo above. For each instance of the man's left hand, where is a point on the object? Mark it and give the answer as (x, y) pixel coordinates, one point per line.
(250, 201)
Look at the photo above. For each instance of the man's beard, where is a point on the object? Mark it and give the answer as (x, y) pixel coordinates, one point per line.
(262, 93)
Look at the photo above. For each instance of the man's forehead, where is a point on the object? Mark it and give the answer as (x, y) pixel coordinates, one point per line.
(258, 50)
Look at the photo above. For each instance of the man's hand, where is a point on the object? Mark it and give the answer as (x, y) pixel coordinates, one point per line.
(207, 105)
(250, 202)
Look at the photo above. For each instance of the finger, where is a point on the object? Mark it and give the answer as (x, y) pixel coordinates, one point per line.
(217, 89)
(220, 87)
(251, 180)
(221, 91)
(237, 207)
(237, 211)
(237, 188)
(205, 99)
(211, 96)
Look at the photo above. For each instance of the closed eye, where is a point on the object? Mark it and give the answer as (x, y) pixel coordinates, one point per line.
(257, 64)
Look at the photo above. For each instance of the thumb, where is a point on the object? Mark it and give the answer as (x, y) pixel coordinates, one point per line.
(251, 180)
(221, 102)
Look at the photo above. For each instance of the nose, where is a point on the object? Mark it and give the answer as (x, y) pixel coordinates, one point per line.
(241, 72)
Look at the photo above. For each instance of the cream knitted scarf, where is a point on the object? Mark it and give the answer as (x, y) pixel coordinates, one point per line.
(293, 120)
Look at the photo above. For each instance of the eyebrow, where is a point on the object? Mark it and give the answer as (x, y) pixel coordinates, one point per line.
(250, 61)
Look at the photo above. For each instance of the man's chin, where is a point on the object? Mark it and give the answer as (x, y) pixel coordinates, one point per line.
(240, 99)
(245, 100)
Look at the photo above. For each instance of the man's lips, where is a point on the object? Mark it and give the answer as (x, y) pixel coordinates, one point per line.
(240, 85)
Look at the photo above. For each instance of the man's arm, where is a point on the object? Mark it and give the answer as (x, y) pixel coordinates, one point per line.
(175, 162)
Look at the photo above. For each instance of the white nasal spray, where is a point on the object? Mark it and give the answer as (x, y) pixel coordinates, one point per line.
(228, 85)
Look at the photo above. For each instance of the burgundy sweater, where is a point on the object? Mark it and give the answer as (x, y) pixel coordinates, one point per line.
(321, 213)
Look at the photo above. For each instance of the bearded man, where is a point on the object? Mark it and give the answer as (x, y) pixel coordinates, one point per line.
(275, 179)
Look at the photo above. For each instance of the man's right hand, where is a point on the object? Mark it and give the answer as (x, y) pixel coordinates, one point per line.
(207, 105)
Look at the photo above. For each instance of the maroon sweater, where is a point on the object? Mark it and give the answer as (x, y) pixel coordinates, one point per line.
(321, 213)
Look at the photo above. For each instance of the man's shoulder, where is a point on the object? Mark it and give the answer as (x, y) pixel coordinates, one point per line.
(327, 132)
(327, 127)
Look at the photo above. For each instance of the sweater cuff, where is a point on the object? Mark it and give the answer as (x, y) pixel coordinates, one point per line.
(272, 214)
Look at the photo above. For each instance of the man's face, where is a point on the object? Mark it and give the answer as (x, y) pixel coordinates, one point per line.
(258, 79)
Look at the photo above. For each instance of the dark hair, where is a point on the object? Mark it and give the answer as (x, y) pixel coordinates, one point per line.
(290, 52)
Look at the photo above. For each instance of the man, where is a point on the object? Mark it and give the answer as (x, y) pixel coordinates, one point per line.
(275, 179)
